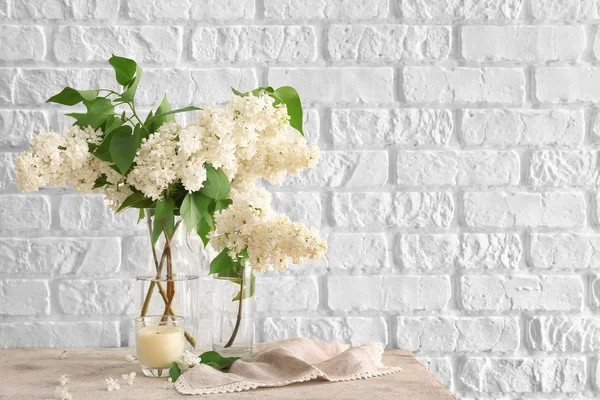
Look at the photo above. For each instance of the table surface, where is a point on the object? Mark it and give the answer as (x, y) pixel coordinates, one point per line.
(32, 373)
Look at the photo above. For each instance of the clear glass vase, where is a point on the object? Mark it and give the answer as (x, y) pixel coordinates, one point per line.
(168, 280)
(234, 306)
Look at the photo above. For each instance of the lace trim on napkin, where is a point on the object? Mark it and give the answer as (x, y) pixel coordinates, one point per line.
(184, 387)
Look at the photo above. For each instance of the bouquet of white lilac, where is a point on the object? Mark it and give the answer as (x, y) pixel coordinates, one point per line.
(204, 172)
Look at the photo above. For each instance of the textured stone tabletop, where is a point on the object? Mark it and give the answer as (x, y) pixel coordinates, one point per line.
(32, 373)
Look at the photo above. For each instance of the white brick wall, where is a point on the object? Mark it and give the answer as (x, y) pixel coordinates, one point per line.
(457, 185)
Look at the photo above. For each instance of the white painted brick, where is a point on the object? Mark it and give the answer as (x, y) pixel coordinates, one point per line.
(489, 168)
(502, 10)
(564, 251)
(560, 10)
(90, 213)
(428, 252)
(412, 126)
(301, 294)
(137, 257)
(81, 257)
(24, 213)
(3, 8)
(595, 292)
(17, 126)
(60, 334)
(527, 127)
(515, 293)
(552, 209)
(490, 251)
(369, 85)
(331, 9)
(145, 44)
(222, 10)
(567, 84)
(350, 169)
(563, 333)
(21, 43)
(564, 168)
(596, 47)
(388, 42)
(352, 330)
(7, 172)
(62, 10)
(523, 375)
(441, 368)
(24, 297)
(463, 85)
(311, 126)
(35, 86)
(301, 207)
(523, 43)
(390, 293)
(155, 83)
(357, 251)
(97, 297)
(413, 209)
(446, 334)
(8, 77)
(146, 10)
(295, 44)
(214, 85)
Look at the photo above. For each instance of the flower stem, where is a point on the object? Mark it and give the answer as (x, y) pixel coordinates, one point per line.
(238, 320)
(166, 296)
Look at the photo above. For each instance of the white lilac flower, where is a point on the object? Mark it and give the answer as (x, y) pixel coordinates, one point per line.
(168, 384)
(62, 393)
(112, 384)
(188, 360)
(130, 358)
(272, 240)
(129, 378)
(64, 379)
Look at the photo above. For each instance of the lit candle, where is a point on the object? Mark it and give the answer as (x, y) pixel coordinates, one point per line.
(159, 346)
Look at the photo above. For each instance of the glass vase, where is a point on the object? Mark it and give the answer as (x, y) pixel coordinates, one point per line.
(168, 278)
(234, 306)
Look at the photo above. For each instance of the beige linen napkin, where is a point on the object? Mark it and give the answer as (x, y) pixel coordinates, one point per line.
(288, 361)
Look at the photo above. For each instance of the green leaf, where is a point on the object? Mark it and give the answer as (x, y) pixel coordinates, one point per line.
(174, 372)
(222, 204)
(123, 146)
(221, 262)
(247, 292)
(164, 107)
(164, 219)
(69, 96)
(160, 115)
(216, 185)
(215, 360)
(141, 215)
(98, 111)
(136, 200)
(103, 150)
(111, 124)
(101, 181)
(289, 96)
(129, 93)
(124, 69)
(203, 229)
(193, 208)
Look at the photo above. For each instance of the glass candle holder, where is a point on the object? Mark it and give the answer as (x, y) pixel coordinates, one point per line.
(159, 342)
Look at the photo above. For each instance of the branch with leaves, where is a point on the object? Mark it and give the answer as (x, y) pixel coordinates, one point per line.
(196, 172)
